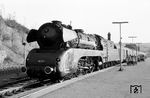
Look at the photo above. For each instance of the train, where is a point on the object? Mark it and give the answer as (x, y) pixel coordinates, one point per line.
(64, 51)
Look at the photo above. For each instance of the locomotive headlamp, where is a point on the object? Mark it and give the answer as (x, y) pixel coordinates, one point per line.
(48, 70)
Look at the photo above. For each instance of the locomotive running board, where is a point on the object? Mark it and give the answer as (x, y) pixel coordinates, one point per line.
(54, 87)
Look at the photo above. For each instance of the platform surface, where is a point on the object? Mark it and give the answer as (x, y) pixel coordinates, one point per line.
(132, 82)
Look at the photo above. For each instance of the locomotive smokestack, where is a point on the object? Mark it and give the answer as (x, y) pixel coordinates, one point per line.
(57, 22)
(109, 36)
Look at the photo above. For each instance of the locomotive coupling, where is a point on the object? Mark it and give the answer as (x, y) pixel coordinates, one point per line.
(48, 70)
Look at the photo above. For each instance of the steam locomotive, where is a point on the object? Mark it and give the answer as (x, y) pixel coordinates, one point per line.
(63, 51)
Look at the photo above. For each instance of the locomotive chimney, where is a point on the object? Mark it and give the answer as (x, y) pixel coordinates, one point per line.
(57, 22)
(109, 36)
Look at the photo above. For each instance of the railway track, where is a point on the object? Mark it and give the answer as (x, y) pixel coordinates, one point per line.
(13, 81)
(24, 85)
(48, 89)
(17, 87)
(27, 84)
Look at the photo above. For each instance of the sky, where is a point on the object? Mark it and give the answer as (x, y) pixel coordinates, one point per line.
(93, 16)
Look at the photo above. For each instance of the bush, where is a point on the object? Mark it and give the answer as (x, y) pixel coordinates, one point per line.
(15, 25)
(8, 59)
(5, 37)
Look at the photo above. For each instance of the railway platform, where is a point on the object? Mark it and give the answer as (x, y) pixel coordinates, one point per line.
(132, 82)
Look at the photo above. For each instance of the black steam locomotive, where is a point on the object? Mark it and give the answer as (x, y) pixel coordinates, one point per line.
(63, 51)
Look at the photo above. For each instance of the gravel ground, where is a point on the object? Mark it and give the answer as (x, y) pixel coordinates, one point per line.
(109, 84)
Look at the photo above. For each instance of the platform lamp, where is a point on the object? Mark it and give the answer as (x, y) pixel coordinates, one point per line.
(121, 68)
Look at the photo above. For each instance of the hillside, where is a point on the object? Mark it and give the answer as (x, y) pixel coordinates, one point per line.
(12, 35)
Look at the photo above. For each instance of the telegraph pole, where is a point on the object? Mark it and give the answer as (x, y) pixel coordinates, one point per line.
(120, 69)
(132, 37)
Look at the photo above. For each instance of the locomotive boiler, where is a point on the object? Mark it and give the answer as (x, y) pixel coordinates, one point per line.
(56, 35)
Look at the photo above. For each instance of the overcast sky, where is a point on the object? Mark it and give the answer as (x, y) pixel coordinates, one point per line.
(94, 16)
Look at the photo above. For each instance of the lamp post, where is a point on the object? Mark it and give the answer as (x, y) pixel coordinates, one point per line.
(120, 69)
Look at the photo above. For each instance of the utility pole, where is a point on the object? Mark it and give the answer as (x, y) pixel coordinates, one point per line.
(120, 69)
